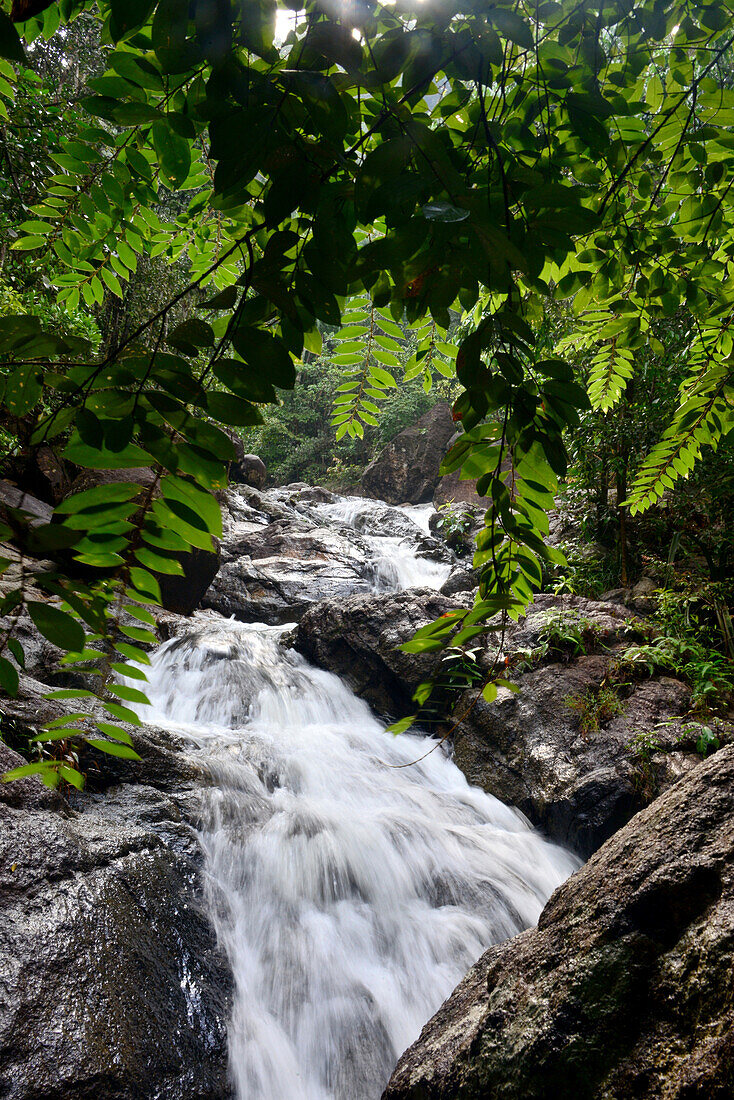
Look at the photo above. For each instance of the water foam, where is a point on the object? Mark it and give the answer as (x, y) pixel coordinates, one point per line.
(350, 893)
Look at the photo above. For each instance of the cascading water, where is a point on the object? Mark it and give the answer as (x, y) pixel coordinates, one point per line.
(396, 561)
(351, 892)
(420, 515)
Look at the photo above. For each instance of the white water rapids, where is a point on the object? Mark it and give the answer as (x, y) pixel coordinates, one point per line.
(350, 895)
(350, 887)
(395, 564)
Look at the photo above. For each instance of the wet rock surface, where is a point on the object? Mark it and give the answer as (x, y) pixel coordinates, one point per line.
(288, 548)
(359, 638)
(570, 748)
(531, 749)
(624, 989)
(111, 981)
(273, 572)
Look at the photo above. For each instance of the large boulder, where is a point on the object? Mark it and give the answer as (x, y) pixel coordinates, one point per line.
(42, 472)
(248, 469)
(623, 991)
(531, 749)
(406, 470)
(37, 511)
(359, 638)
(576, 751)
(272, 572)
(111, 981)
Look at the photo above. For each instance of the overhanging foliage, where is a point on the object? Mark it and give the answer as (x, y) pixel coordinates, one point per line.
(378, 163)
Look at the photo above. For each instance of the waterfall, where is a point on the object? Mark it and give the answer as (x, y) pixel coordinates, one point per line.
(394, 537)
(420, 515)
(396, 566)
(350, 892)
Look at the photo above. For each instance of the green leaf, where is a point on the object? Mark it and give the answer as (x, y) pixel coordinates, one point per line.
(8, 677)
(117, 732)
(158, 563)
(23, 390)
(114, 748)
(512, 26)
(202, 510)
(70, 693)
(17, 650)
(56, 625)
(111, 493)
(27, 769)
(128, 670)
(266, 355)
(228, 409)
(123, 713)
(402, 725)
(193, 331)
(129, 694)
(382, 376)
(127, 16)
(112, 282)
(10, 44)
(71, 775)
(174, 154)
(133, 653)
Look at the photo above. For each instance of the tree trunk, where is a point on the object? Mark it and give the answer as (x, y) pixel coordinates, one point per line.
(622, 513)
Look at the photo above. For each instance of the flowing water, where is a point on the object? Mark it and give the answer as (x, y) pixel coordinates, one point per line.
(396, 558)
(350, 892)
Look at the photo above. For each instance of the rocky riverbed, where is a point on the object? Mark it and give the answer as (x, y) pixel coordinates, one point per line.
(112, 978)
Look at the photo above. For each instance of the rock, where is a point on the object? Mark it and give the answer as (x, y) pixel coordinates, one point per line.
(358, 639)
(41, 472)
(452, 490)
(286, 548)
(13, 497)
(623, 992)
(311, 494)
(375, 519)
(144, 476)
(640, 598)
(406, 470)
(244, 468)
(272, 572)
(249, 470)
(184, 594)
(460, 580)
(111, 981)
(181, 594)
(530, 749)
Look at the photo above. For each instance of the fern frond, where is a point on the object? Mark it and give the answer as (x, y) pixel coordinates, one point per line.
(704, 417)
(611, 369)
(367, 346)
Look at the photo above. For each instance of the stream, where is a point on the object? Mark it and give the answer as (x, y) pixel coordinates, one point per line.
(350, 886)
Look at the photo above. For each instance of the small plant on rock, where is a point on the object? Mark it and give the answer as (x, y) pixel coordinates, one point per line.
(643, 745)
(455, 524)
(710, 673)
(594, 707)
(567, 634)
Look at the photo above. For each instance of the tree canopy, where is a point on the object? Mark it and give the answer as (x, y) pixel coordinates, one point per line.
(353, 167)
